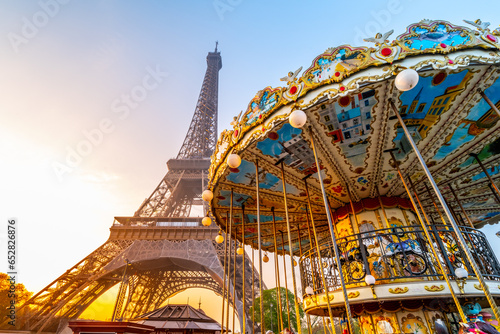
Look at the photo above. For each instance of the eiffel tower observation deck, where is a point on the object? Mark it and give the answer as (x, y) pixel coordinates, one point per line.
(161, 250)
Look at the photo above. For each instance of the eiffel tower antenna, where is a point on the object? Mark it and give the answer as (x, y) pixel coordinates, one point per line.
(187, 175)
(169, 248)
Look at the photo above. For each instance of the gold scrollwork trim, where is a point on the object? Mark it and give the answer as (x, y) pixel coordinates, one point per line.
(353, 294)
(434, 288)
(331, 298)
(399, 290)
(478, 287)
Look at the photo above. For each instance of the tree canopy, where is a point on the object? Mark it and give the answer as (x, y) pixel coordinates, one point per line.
(6, 295)
(271, 310)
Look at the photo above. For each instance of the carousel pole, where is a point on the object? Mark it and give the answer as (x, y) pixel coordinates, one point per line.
(286, 279)
(332, 233)
(229, 261)
(259, 240)
(243, 266)
(277, 276)
(234, 274)
(318, 251)
(460, 237)
(308, 318)
(493, 186)
(461, 206)
(382, 207)
(428, 236)
(352, 206)
(487, 99)
(224, 275)
(253, 291)
(435, 205)
(290, 246)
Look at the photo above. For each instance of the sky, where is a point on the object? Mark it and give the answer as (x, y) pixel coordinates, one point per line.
(77, 149)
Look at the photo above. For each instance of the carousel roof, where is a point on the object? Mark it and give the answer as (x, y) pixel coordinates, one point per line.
(346, 94)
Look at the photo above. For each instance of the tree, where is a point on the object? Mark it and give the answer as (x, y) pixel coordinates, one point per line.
(8, 288)
(271, 310)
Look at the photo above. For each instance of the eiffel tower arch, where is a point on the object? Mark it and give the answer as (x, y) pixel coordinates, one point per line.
(160, 251)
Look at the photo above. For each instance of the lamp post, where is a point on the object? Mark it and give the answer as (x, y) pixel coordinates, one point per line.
(407, 79)
(370, 281)
(461, 275)
(298, 119)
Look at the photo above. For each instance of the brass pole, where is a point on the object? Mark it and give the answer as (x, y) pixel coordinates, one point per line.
(332, 233)
(243, 262)
(234, 273)
(325, 327)
(286, 279)
(253, 291)
(224, 276)
(382, 207)
(352, 206)
(487, 99)
(229, 260)
(493, 186)
(460, 205)
(460, 237)
(259, 240)
(277, 276)
(308, 319)
(290, 246)
(435, 205)
(320, 259)
(428, 236)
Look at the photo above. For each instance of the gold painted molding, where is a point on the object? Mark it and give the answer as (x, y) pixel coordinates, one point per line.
(353, 294)
(478, 287)
(399, 290)
(331, 297)
(434, 288)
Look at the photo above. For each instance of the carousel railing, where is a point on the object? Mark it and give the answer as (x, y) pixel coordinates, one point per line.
(401, 252)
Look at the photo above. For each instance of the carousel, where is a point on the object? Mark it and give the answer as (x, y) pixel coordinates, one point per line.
(370, 172)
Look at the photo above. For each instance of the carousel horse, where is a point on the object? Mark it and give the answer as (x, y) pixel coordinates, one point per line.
(407, 253)
(476, 323)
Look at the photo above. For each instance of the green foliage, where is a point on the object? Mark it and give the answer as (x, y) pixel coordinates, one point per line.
(6, 295)
(271, 320)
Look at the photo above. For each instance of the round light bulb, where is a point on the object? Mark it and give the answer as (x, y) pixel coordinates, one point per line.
(206, 221)
(297, 118)
(219, 239)
(309, 291)
(207, 195)
(234, 160)
(265, 258)
(406, 80)
(461, 273)
(370, 280)
(239, 251)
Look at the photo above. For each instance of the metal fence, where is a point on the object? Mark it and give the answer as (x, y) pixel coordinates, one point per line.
(396, 253)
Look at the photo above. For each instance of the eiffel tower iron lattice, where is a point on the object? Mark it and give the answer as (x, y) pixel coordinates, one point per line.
(158, 252)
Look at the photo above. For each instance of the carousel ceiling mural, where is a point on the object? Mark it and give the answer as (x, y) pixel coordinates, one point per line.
(347, 94)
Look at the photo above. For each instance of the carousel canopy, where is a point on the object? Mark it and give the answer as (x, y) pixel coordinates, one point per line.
(347, 95)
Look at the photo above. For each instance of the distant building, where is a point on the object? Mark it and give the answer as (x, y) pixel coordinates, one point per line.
(179, 319)
(170, 319)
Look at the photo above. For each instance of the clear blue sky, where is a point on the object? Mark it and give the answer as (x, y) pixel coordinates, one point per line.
(63, 68)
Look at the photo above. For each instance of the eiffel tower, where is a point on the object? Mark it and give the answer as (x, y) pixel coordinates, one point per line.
(160, 251)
